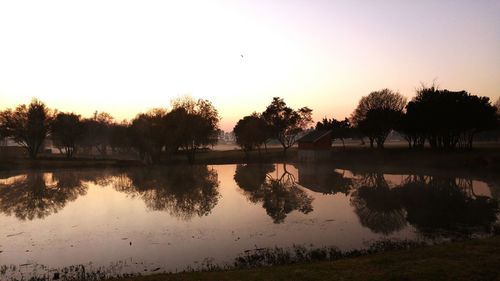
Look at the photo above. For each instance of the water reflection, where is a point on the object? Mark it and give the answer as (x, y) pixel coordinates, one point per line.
(324, 179)
(278, 193)
(440, 204)
(432, 204)
(111, 220)
(376, 205)
(36, 195)
(435, 205)
(183, 191)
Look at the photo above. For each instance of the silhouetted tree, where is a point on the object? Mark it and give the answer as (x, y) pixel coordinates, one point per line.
(340, 129)
(120, 139)
(411, 128)
(27, 125)
(497, 105)
(448, 119)
(198, 122)
(378, 123)
(149, 134)
(251, 132)
(384, 105)
(285, 123)
(383, 99)
(97, 132)
(66, 130)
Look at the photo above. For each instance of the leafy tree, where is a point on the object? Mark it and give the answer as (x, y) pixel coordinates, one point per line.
(120, 137)
(148, 131)
(383, 99)
(378, 123)
(449, 119)
(376, 114)
(251, 132)
(27, 125)
(197, 122)
(66, 129)
(285, 123)
(340, 129)
(411, 129)
(497, 106)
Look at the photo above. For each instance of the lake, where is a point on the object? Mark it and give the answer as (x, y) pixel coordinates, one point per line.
(174, 218)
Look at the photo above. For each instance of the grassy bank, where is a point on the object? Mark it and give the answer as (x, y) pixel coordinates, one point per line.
(481, 158)
(61, 163)
(469, 260)
(484, 157)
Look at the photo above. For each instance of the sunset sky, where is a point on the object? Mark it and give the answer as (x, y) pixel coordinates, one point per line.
(125, 57)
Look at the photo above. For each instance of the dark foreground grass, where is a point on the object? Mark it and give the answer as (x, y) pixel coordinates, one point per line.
(469, 260)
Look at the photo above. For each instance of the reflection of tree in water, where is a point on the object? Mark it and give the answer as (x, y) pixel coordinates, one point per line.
(432, 204)
(279, 196)
(38, 195)
(251, 177)
(376, 205)
(183, 191)
(494, 185)
(436, 204)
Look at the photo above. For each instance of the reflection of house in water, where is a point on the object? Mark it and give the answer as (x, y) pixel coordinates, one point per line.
(315, 145)
(323, 179)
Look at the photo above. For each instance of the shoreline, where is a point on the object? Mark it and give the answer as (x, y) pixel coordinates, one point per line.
(480, 160)
(475, 259)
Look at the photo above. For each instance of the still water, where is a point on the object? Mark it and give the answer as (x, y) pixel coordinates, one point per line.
(143, 220)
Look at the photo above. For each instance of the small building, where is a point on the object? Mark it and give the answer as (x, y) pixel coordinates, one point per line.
(315, 145)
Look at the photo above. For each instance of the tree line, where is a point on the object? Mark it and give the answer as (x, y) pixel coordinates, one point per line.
(444, 119)
(441, 118)
(188, 126)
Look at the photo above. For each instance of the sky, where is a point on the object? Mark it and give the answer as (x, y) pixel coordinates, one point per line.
(126, 57)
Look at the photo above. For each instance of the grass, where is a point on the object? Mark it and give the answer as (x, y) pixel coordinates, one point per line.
(59, 163)
(469, 260)
(484, 156)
